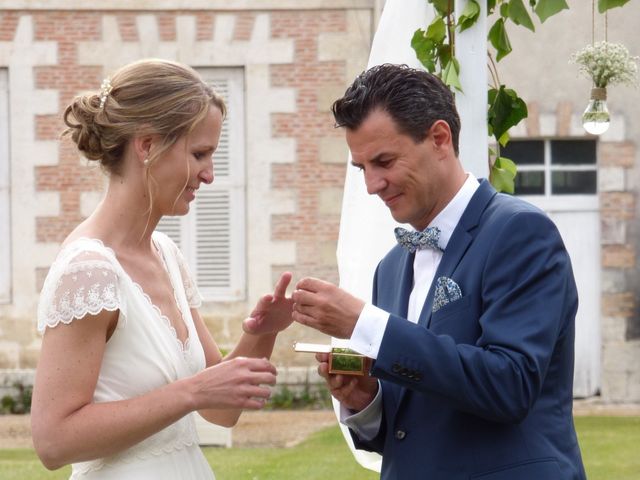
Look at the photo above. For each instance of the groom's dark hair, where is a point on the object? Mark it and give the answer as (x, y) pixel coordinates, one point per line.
(415, 99)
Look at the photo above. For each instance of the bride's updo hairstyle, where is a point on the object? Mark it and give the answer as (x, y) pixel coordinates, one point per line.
(145, 97)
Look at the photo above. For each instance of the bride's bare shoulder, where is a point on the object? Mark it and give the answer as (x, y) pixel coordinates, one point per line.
(83, 230)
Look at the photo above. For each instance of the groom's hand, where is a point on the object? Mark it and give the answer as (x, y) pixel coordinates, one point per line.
(353, 391)
(325, 307)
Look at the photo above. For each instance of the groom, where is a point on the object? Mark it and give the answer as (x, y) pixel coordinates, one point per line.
(471, 330)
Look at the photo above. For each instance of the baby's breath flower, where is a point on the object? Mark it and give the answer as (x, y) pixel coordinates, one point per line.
(607, 63)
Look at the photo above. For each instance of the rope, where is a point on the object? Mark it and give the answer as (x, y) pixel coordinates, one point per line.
(593, 22)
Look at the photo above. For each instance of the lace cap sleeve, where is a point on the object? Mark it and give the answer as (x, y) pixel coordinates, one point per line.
(81, 284)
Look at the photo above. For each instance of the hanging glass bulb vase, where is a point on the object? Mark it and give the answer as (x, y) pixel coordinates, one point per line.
(595, 118)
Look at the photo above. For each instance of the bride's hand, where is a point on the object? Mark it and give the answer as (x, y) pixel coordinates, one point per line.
(240, 382)
(273, 312)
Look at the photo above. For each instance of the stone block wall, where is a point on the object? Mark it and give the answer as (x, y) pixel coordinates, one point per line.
(620, 346)
(616, 154)
(296, 58)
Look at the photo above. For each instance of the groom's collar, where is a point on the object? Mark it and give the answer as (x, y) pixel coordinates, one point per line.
(447, 220)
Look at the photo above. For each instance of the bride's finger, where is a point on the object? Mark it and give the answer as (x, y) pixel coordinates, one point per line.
(262, 304)
(250, 324)
(281, 287)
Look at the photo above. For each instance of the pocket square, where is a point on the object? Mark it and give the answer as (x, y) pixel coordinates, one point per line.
(447, 291)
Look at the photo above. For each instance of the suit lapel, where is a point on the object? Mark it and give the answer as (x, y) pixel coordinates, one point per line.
(459, 243)
(455, 250)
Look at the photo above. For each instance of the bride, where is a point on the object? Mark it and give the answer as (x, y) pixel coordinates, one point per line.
(126, 357)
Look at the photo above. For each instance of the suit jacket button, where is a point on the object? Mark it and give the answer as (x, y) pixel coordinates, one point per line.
(417, 377)
(396, 367)
(400, 434)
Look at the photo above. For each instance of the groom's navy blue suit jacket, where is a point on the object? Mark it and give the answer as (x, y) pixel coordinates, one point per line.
(482, 388)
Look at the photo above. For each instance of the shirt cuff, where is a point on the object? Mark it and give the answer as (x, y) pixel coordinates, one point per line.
(366, 422)
(369, 330)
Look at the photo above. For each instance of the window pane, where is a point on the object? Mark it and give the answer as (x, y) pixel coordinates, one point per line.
(583, 182)
(573, 152)
(529, 183)
(524, 152)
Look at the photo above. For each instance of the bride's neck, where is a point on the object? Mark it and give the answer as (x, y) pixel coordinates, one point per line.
(123, 219)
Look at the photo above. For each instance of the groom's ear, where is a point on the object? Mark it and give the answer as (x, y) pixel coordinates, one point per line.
(440, 132)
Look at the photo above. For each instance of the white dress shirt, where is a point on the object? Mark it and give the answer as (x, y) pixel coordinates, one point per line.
(369, 330)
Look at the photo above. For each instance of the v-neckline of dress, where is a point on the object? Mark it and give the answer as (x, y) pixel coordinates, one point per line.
(183, 346)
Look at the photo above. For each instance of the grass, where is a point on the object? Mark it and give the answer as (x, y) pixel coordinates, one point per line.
(323, 456)
(609, 450)
(609, 447)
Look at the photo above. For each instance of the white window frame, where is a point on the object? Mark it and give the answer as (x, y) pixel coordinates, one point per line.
(5, 191)
(184, 230)
(554, 202)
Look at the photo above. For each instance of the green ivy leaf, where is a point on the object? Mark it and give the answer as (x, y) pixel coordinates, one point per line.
(443, 7)
(450, 75)
(469, 15)
(491, 5)
(506, 109)
(437, 30)
(507, 164)
(519, 15)
(425, 50)
(444, 53)
(499, 39)
(604, 5)
(548, 8)
(502, 175)
(504, 10)
(504, 139)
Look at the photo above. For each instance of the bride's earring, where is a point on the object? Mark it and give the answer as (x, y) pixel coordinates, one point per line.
(146, 162)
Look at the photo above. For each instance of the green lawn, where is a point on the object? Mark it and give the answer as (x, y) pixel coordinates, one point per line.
(609, 449)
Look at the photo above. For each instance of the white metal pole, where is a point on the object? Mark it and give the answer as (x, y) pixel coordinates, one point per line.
(471, 52)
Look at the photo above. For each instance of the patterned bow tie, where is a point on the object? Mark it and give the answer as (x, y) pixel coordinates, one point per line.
(412, 241)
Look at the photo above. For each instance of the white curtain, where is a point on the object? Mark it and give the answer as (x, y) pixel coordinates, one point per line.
(366, 226)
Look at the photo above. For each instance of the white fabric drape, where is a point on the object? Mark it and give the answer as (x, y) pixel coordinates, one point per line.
(366, 226)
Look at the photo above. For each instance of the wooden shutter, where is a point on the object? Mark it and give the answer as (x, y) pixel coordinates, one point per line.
(212, 235)
(172, 226)
(5, 197)
(213, 240)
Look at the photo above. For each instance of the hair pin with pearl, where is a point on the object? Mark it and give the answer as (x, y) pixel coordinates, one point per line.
(105, 90)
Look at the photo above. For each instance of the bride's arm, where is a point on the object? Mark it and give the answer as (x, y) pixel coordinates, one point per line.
(68, 427)
(248, 346)
(271, 315)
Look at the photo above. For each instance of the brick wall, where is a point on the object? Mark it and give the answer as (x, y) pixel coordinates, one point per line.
(312, 227)
(293, 71)
(620, 350)
(296, 63)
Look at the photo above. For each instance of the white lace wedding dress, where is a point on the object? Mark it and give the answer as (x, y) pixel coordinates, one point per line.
(143, 353)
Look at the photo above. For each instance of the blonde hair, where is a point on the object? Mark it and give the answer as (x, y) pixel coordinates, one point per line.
(145, 97)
